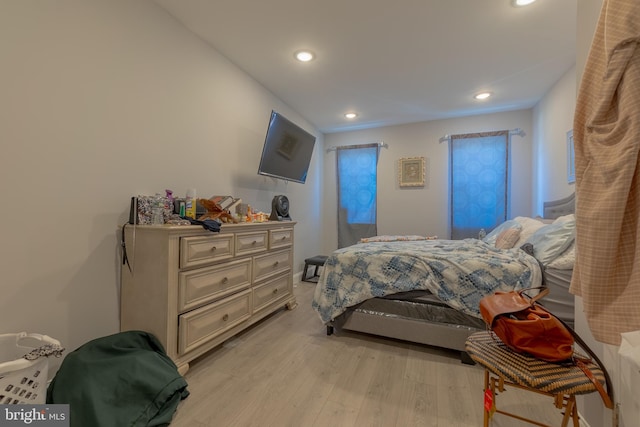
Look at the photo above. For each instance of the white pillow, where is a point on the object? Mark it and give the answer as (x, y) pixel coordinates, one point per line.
(491, 237)
(564, 218)
(566, 259)
(544, 220)
(529, 226)
(551, 240)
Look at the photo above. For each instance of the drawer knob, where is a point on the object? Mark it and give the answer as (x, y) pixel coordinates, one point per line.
(275, 291)
(213, 248)
(225, 317)
(283, 238)
(225, 280)
(275, 264)
(254, 242)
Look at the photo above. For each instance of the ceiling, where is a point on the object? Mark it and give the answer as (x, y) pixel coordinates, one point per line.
(391, 62)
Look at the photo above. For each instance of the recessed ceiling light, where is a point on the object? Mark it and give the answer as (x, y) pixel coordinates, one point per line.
(482, 95)
(304, 55)
(520, 3)
(351, 115)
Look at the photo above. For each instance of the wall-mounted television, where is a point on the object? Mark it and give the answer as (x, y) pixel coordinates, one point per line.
(287, 150)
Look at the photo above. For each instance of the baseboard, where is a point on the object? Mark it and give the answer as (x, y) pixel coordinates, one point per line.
(583, 423)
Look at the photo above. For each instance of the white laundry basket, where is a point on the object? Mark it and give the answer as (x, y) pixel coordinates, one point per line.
(22, 380)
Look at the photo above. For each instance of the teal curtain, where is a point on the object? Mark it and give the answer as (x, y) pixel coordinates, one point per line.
(357, 192)
(479, 182)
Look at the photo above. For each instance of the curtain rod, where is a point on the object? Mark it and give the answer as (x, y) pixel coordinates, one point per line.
(516, 131)
(380, 145)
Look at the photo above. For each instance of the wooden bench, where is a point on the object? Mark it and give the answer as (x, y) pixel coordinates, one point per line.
(561, 381)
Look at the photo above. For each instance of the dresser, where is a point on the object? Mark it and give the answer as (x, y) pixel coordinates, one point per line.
(194, 289)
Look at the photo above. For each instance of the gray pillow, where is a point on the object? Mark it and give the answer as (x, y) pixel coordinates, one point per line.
(551, 240)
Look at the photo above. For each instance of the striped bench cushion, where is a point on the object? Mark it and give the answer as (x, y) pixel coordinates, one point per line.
(527, 371)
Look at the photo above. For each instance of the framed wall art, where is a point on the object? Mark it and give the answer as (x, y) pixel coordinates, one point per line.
(411, 172)
(571, 159)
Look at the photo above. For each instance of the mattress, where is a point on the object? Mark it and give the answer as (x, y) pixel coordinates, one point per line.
(420, 305)
(421, 317)
(415, 316)
(559, 301)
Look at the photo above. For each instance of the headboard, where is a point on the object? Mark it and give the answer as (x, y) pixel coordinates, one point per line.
(557, 208)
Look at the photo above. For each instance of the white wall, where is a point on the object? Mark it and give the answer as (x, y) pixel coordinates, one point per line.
(424, 211)
(103, 100)
(553, 118)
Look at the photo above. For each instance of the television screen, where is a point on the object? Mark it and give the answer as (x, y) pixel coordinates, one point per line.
(287, 150)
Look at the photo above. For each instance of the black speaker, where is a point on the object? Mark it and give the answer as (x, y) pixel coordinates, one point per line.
(280, 209)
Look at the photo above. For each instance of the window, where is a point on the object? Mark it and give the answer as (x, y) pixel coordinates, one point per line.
(479, 182)
(357, 192)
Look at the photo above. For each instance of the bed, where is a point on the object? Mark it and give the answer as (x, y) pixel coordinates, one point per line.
(424, 290)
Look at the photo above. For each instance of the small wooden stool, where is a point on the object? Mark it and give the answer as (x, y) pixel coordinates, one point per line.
(317, 261)
(503, 366)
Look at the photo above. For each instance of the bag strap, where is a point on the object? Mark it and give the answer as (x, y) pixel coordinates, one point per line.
(607, 395)
(544, 291)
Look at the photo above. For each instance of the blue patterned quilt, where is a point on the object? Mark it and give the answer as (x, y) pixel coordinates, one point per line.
(459, 272)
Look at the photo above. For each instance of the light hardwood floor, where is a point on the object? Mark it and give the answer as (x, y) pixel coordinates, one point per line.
(285, 371)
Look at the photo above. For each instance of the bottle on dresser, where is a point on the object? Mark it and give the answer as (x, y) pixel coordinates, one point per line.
(190, 203)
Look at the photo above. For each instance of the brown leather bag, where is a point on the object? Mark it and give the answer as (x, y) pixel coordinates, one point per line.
(525, 326)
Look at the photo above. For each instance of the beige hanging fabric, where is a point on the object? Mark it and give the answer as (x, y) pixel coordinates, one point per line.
(607, 145)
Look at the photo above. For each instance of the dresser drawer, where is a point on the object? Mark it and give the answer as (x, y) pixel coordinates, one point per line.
(202, 250)
(268, 265)
(271, 291)
(281, 238)
(197, 287)
(203, 324)
(249, 243)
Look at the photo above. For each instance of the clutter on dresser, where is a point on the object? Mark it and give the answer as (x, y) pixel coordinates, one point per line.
(214, 211)
(228, 203)
(167, 209)
(151, 210)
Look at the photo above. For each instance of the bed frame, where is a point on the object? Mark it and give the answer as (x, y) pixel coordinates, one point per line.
(407, 316)
(560, 207)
